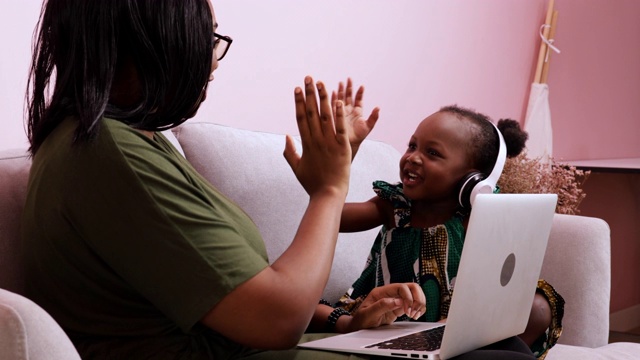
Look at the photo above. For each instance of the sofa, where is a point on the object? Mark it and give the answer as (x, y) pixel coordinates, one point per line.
(248, 167)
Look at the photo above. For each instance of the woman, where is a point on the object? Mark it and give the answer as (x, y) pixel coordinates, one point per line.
(130, 250)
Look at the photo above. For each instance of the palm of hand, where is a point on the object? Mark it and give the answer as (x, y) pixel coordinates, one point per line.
(358, 128)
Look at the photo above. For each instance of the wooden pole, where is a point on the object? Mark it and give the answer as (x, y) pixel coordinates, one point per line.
(543, 46)
(547, 59)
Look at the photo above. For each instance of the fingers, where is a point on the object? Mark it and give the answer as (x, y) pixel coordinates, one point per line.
(290, 153)
(411, 295)
(342, 135)
(359, 96)
(340, 91)
(326, 112)
(334, 99)
(311, 107)
(414, 300)
(308, 111)
(386, 310)
(373, 117)
(349, 90)
(346, 94)
(301, 115)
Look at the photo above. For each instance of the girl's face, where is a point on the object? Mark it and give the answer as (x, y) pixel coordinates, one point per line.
(436, 159)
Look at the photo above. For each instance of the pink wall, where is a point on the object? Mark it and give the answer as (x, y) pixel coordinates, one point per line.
(415, 56)
(594, 92)
(615, 198)
(595, 81)
(17, 21)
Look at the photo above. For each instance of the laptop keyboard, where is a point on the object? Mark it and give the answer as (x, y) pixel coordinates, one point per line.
(426, 340)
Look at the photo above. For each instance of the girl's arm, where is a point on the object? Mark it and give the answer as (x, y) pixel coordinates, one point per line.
(366, 215)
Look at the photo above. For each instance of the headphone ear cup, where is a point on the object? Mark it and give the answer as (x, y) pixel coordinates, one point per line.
(467, 185)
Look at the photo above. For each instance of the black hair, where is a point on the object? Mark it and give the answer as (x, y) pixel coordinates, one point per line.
(82, 44)
(484, 146)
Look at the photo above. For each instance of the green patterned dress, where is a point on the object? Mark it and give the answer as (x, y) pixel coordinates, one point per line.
(429, 257)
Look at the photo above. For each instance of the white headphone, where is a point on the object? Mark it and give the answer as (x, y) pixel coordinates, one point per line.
(476, 182)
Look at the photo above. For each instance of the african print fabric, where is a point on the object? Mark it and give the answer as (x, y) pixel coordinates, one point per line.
(427, 256)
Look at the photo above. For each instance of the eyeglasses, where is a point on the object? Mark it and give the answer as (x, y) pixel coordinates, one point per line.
(221, 45)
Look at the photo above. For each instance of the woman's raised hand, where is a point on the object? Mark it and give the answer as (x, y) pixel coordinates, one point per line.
(326, 153)
(386, 303)
(357, 126)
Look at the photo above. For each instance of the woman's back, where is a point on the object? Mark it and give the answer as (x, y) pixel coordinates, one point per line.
(122, 250)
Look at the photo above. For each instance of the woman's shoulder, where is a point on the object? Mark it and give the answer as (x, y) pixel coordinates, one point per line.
(132, 144)
(116, 149)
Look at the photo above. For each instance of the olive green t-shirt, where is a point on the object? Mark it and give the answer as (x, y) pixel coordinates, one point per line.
(127, 246)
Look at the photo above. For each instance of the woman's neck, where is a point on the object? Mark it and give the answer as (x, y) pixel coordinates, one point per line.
(147, 133)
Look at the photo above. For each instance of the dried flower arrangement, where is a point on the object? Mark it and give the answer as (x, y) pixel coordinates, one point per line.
(524, 175)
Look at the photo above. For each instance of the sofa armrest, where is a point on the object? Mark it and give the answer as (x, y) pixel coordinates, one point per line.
(578, 264)
(14, 175)
(28, 332)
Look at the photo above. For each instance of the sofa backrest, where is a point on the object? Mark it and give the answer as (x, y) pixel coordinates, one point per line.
(248, 166)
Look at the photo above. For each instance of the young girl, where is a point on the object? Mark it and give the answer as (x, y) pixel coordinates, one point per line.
(424, 224)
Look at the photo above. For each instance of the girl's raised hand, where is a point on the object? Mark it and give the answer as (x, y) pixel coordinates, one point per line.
(357, 126)
(326, 153)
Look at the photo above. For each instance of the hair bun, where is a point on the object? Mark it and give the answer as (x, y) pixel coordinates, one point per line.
(514, 137)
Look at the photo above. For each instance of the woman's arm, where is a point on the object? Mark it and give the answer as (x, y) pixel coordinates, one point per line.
(273, 309)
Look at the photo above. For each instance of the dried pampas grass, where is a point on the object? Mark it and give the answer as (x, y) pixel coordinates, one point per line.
(522, 175)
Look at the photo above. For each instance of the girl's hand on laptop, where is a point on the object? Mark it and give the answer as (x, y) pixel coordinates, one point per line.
(386, 303)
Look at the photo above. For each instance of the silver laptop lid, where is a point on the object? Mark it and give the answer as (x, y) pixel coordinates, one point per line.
(501, 261)
(504, 247)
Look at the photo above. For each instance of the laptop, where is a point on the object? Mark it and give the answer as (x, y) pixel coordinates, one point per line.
(493, 292)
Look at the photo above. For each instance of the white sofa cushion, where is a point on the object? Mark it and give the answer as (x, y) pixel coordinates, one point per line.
(28, 332)
(613, 351)
(248, 167)
(172, 139)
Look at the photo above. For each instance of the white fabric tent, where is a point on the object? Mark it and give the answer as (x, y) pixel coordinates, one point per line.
(538, 124)
(537, 121)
